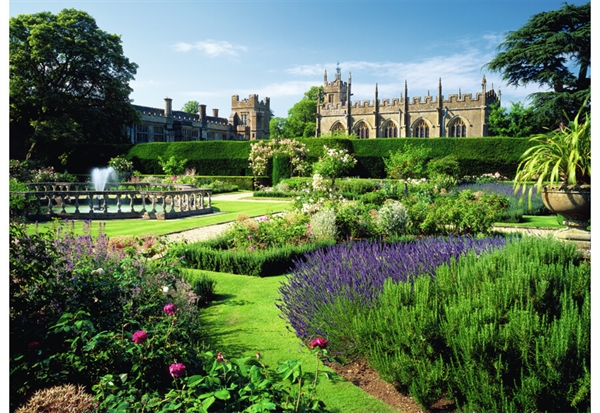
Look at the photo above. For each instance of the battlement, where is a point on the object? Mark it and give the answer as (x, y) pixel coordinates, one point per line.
(251, 102)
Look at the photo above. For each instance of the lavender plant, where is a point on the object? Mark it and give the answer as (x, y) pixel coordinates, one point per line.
(356, 273)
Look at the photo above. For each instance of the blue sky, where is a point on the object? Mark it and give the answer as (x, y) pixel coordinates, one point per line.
(210, 50)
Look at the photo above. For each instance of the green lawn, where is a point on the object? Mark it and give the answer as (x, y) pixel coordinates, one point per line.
(244, 320)
(535, 221)
(225, 211)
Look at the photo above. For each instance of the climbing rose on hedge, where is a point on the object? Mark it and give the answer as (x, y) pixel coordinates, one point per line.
(177, 369)
(139, 337)
(318, 342)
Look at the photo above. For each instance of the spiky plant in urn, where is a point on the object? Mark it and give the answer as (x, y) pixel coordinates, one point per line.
(560, 166)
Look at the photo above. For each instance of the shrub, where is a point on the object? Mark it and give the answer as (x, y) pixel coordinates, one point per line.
(464, 213)
(375, 197)
(448, 165)
(506, 331)
(60, 399)
(356, 273)
(323, 226)
(407, 163)
(392, 219)
(204, 288)
(76, 301)
(356, 221)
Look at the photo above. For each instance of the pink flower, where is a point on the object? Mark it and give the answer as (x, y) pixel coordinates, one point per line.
(139, 337)
(219, 357)
(258, 356)
(177, 369)
(318, 342)
(170, 309)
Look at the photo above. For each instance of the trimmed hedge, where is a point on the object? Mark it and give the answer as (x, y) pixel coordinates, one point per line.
(207, 157)
(476, 156)
(213, 255)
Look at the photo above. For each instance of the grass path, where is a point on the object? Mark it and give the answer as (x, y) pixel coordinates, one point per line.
(244, 320)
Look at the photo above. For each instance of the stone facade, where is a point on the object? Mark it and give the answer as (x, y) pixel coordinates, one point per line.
(249, 120)
(460, 115)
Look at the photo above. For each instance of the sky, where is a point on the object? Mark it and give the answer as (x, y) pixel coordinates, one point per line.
(208, 51)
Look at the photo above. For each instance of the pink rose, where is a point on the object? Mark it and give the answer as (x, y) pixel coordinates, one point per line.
(177, 369)
(318, 342)
(170, 309)
(139, 337)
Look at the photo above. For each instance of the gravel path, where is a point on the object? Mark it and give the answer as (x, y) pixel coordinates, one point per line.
(211, 231)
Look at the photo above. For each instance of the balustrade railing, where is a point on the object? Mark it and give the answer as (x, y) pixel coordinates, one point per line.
(118, 201)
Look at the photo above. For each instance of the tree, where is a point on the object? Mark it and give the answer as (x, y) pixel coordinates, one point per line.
(69, 84)
(276, 127)
(552, 50)
(517, 122)
(192, 107)
(301, 121)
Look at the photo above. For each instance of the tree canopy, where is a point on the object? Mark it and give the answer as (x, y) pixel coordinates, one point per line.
(192, 107)
(301, 122)
(553, 51)
(69, 83)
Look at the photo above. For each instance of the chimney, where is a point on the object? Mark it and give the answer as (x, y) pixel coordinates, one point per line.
(202, 111)
(216, 113)
(168, 107)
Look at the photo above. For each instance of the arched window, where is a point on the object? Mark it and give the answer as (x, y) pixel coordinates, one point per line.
(390, 130)
(421, 130)
(458, 129)
(362, 130)
(338, 129)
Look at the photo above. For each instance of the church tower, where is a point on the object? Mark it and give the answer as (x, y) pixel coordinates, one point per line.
(336, 91)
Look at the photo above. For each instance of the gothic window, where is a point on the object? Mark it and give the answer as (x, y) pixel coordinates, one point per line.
(244, 118)
(362, 131)
(330, 97)
(390, 130)
(458, 129)
(338, 129)
(421, 130)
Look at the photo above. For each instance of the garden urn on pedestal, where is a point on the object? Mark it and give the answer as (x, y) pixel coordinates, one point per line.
(561, 168)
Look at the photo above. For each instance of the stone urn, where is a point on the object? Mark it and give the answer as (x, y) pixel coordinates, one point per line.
(574, 204)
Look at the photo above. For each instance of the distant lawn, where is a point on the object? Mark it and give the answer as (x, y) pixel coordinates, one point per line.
(225, 211)
(535, 221)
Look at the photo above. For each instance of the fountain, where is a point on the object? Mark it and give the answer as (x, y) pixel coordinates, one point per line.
(128, 200)
(100, 176)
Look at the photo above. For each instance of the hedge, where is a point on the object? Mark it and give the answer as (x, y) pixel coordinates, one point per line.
(476, 156)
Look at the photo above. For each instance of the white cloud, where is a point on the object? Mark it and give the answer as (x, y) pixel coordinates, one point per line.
(211, 48)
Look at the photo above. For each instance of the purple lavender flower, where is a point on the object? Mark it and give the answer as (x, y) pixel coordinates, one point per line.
(357, 272)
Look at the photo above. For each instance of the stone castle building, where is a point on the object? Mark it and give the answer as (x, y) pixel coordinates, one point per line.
(460, 115)
(249, 120)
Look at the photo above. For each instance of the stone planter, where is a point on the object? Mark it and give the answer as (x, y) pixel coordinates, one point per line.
(574, 204)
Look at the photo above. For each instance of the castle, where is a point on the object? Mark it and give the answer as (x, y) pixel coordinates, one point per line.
(249, 120)
(460, 115)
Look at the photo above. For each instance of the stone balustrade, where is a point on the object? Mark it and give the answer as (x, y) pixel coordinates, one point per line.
(118, 201)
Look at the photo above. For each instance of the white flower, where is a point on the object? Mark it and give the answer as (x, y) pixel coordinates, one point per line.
(165, 289)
